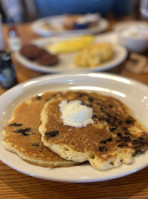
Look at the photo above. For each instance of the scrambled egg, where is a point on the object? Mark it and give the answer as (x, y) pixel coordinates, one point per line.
(70, 45)
(94, 55)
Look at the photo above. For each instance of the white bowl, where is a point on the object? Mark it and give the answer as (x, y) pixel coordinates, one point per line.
(134, 39)
(138, 45)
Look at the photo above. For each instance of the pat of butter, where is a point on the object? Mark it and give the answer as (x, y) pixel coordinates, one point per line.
(75, 114)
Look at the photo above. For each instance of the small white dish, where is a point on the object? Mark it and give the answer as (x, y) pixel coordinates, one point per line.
(134, 39)
(133, 36)
(121, 88)
(137, 45)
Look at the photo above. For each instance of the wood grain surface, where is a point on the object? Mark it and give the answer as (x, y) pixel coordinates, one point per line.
(15, 185)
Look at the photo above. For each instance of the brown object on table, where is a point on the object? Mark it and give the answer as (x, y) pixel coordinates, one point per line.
(47, 59)
(137, 63)
(16, 185)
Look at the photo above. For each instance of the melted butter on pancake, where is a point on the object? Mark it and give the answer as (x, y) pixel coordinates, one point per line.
(75, 114)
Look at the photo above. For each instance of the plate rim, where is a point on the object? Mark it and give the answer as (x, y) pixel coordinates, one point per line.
(66, 74)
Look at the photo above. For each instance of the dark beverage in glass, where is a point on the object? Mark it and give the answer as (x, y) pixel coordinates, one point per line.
(7, 70)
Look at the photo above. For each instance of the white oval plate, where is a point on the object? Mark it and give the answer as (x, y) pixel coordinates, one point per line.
(37, 27)
(132, 93)
(67, 60)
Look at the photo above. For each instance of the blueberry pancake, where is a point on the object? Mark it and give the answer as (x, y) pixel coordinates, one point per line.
(22, 137)
(81, 126)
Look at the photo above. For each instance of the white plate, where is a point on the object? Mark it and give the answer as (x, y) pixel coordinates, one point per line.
(67, 60)
(37, 27)
(132, 93)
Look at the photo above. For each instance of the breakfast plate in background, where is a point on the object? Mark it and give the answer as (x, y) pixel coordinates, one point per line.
(67, 63)
(53, 26)
(121, 88)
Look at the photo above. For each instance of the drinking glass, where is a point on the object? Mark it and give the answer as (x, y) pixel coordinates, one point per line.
(1, 34)
(144, 9)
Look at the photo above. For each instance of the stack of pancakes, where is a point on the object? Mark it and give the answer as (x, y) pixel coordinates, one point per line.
(37, 134)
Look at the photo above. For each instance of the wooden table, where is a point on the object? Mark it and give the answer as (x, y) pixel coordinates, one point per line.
(19, 186)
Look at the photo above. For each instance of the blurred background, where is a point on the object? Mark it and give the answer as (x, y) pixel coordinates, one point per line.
(26, 10)
(123, 25)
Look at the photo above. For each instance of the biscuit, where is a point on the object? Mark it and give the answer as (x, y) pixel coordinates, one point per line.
(94, 55)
